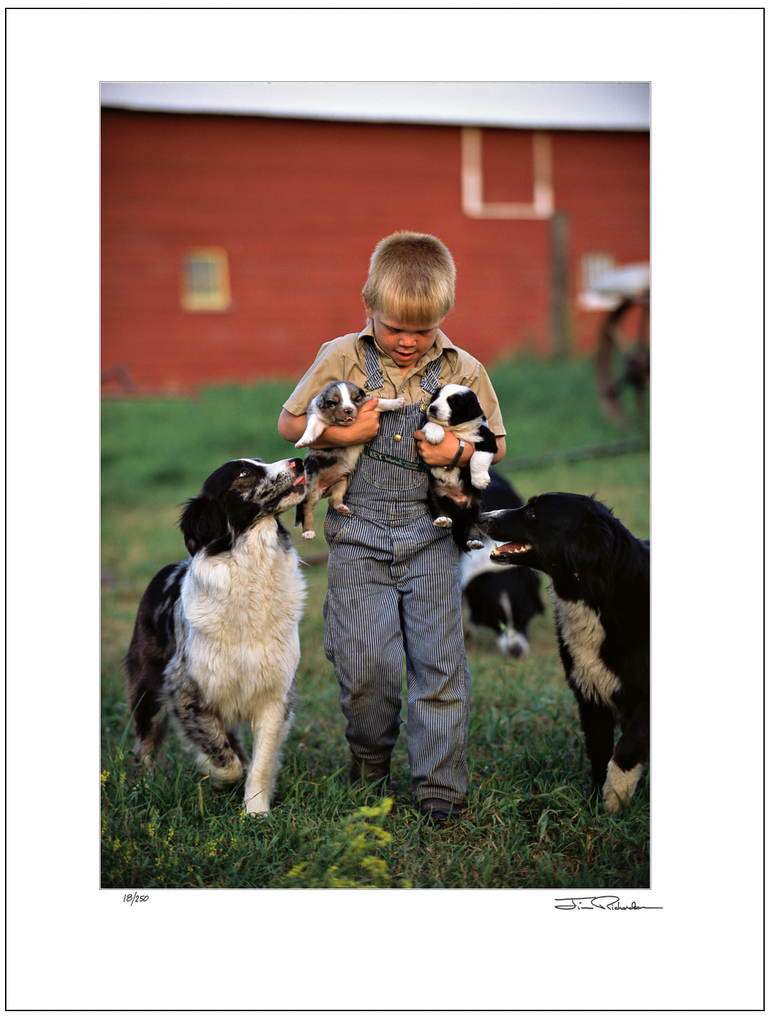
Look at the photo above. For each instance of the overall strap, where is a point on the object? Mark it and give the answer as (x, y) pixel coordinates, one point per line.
(376, 378)
(430, 378)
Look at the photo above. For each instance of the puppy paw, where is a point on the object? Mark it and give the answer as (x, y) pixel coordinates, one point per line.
(308, 535)
(443, 521)
(390, 404)
(343, 509)
(480, 480)
(434, 434)
(475, 545)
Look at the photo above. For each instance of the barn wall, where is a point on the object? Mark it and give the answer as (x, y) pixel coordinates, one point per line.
(299, 205)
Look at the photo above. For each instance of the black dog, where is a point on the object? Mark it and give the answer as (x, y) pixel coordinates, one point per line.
(454, 494)
(501, 597)
(600, 587)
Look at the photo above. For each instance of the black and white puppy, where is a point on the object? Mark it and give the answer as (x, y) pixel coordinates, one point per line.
(500, 597)
(600, 587)
(328, 470)
(454, 494)
(216, 640)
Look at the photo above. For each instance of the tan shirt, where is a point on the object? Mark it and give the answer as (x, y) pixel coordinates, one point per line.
(343, 359)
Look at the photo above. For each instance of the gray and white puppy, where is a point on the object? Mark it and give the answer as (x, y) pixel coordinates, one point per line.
(328, 470)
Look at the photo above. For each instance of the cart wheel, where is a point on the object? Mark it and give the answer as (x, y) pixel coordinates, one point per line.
(622, 358)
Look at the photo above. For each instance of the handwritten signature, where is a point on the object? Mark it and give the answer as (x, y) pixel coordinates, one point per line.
(597, 903)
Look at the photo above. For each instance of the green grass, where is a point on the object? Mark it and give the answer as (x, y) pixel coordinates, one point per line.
(527, 822)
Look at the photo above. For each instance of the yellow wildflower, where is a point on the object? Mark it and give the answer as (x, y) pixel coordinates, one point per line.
(382, 837)
(368, 812)
(297, 870)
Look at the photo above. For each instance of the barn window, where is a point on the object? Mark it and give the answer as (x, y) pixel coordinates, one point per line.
(206, 280)
(506, 150)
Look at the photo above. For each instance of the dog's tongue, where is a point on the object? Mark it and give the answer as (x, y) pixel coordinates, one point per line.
(300, 480)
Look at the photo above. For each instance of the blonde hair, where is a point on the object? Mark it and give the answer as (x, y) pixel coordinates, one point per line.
(411, 277)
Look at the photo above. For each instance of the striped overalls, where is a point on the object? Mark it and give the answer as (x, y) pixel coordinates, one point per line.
(394, 591)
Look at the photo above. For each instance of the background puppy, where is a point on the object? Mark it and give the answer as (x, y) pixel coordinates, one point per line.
(216, 639)
(600, 588)
(500, 597)
(454, 493)
(328, 471)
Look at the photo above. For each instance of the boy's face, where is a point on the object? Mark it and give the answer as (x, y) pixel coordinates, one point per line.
(406, 343)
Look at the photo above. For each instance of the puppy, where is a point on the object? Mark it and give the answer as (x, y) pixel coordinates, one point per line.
(454, 493)
(328, 470)
(503, 598)
(216, 640)
(600, 587)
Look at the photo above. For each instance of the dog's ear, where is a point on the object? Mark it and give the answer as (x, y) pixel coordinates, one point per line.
(202, 522)
(473, 405)
(591, 544)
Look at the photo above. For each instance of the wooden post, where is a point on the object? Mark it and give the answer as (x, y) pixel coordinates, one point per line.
(560, 328)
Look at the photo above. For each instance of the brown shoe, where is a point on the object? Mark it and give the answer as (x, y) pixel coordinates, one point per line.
(367, 773)
(439, 812)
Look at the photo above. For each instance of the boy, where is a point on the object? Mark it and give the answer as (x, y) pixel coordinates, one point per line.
(393, 577)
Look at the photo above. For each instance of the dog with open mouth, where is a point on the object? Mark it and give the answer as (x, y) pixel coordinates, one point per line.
(328, 470)
(600, 587)
(216, 638)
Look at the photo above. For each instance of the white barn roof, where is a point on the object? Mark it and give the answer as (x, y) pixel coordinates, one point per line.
(621, 106)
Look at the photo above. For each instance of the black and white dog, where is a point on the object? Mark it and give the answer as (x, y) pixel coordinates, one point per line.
(500, 597)
(328, 471)
(600, 587)
(216, 640)
(454, 494)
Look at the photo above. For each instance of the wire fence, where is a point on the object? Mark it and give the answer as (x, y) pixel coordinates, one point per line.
(590, 451)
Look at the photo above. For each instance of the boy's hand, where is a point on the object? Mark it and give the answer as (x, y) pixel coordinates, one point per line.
(366, 423)
(443, 453)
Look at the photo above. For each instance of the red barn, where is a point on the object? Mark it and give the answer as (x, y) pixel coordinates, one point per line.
(233, 246)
